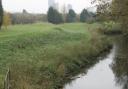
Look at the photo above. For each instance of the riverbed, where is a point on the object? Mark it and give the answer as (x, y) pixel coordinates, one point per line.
(100, 76)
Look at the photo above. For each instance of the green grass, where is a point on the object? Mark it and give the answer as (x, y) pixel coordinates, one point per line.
(42, 56)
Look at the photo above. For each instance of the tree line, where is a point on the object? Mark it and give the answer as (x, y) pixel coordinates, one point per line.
(56, 17)
(106, 9)
(27, 18)
(52, 16)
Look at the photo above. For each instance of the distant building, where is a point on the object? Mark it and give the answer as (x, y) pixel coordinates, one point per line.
(51, 3)
(56, 6)
(69, 6)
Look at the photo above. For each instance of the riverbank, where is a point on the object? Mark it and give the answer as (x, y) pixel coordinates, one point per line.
(45, 56)
(98, 76)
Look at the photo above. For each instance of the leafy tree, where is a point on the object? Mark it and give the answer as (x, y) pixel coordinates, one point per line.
(71, 16)
(6, 19)
(84, 15)
(103, 9)
(1, 13)
(116, 10)
(119, 9)
(54, 16)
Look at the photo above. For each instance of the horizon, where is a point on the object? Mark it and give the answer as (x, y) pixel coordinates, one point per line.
(42, 6)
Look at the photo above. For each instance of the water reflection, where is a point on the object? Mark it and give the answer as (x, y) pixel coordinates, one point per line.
(98, 77)
(110, 73)
(120, 63)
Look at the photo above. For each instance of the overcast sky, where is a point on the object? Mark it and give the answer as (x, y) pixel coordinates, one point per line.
(41, 6)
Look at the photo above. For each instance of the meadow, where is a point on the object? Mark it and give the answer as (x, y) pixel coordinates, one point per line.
(45, 56)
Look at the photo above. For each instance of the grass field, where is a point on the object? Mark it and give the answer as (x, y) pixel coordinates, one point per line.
(43, 55)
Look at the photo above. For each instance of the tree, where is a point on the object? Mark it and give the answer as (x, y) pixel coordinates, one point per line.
(103, 9)
(27, 18)
(54, 16)
(119, 9)
(84, 15)
(116, 10)
(6, 19)
(1, 13)
(71, 16)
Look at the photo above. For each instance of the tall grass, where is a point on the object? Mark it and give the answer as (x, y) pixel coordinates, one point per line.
(45, 56)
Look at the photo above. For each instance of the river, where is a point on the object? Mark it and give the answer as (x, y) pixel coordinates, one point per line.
(109, 73)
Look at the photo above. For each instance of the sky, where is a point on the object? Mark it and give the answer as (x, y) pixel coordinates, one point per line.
(41, 6)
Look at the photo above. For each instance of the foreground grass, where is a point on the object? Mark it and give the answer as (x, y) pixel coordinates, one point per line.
(44, 56)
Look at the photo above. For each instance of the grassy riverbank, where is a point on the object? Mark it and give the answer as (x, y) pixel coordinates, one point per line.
(44, 56)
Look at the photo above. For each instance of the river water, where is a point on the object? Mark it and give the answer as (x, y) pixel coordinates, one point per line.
(109, 73)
